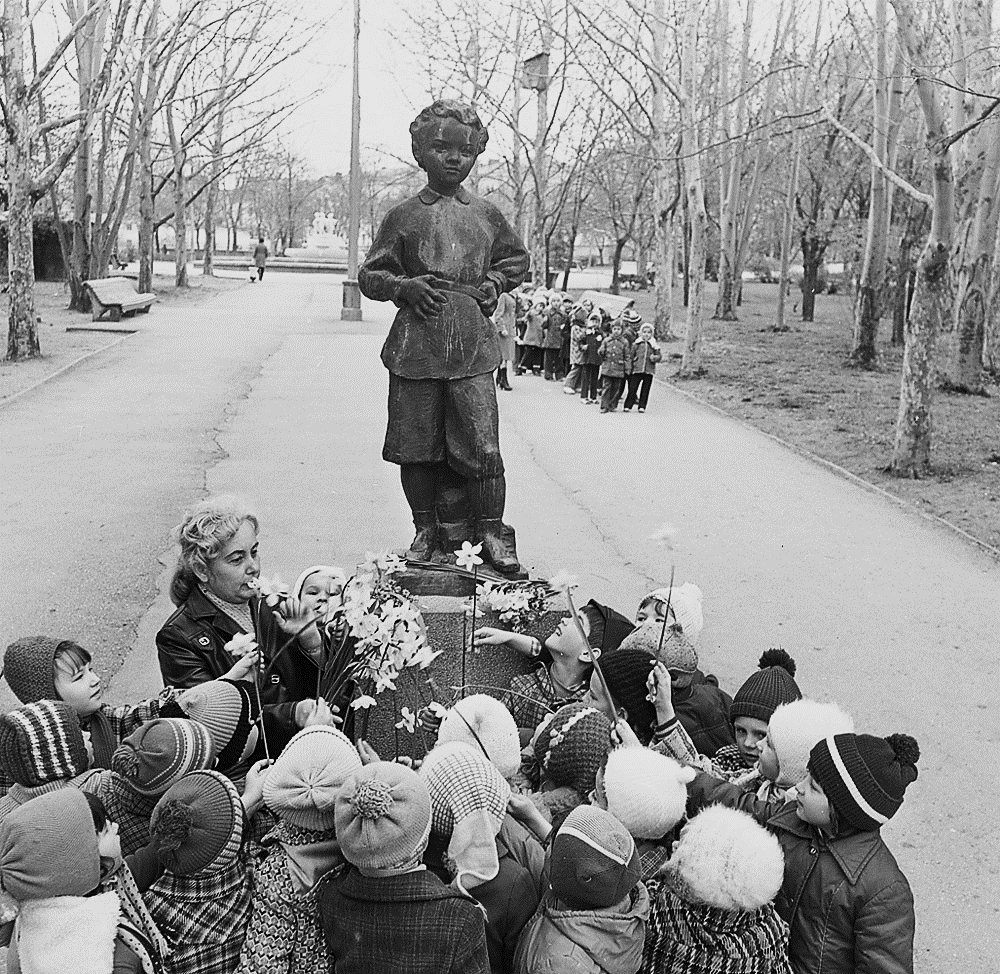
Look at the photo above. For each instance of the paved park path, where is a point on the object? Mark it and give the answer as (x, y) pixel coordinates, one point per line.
(264, 392)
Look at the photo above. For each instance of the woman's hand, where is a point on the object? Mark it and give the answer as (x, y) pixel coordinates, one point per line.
(316, 713)
(658, 685)
(243, 668)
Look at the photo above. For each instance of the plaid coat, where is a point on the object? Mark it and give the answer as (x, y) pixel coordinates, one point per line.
(691, 938)
(408, 924)
(532, 697)
(130, 810)
(110, 725)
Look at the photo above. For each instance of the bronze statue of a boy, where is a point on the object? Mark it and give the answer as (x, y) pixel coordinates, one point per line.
(444, 257)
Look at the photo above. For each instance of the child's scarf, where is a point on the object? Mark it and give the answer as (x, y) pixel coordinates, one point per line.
(67, 933)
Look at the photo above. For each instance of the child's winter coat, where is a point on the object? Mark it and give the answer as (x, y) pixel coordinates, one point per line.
(614, 356)
(584, 941)
(643, 357)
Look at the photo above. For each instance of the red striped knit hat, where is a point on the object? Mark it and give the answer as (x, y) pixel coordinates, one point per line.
(864, 777)
(161, 752)
(42, 742)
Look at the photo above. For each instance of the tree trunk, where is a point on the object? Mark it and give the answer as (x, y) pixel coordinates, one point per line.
(868, 310)
(812, 257)
(22, 327)
(691, 360)
(616, 265)
(725, 308)
(787, 225)
(147, 205)
(991, 350)
(574, 230)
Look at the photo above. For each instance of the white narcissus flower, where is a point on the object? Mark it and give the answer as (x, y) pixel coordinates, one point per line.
(272, 590)
(664, 535)
(563, 582)
(391, 563)
(363, 702)
(467, 556)
(240, 645)
(408, 721)
(437, 709)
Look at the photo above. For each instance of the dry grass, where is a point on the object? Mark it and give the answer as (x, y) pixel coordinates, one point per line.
(798, 386)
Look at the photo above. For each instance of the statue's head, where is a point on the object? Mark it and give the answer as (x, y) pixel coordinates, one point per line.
(446, 139)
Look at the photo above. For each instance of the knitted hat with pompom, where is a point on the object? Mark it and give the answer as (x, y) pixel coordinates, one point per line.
(795, 728)
(302, 785)
(198, 824)
(572, 746)
(383, 816)
(864, 777)
(161, 752)
(42, 742)
(646, 791)
(726, 860)
(486, 724)
(772, 685)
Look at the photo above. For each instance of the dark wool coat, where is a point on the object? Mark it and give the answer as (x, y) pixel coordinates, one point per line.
(845, 899)
(409, 924)
(643, 358)
(703, 709)
(592, 348)
(553, 329)
(614, 356)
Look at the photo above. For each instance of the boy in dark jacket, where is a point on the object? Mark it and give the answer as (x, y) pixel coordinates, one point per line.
(590, 358)
(643, 356)
(844, 897)
(390, 913)
(614, 354)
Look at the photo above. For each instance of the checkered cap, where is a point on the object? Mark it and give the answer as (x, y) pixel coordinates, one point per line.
(461, 781)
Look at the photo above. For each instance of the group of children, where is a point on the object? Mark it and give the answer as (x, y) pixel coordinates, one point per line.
(585, 348)
(616, 812)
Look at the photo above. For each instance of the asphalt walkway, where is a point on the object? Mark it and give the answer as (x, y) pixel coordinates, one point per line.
(264, 392)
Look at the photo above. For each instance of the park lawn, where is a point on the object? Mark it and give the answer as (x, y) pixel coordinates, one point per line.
(797, 386)
(61, 348)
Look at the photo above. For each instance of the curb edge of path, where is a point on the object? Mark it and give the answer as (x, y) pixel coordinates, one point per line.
(66, 368)
(837, 469)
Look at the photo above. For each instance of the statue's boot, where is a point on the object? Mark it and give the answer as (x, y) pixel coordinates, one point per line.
(498, 545)
(451, 534)
(425, 540)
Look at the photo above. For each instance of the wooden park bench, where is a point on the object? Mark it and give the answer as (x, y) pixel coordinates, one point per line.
(116, 298)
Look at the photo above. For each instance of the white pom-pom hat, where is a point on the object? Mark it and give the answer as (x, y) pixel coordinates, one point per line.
(796, 728)
(726, 860)
(486, 724)
(646, 791)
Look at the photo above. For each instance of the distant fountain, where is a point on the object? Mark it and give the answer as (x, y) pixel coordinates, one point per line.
(323, 243)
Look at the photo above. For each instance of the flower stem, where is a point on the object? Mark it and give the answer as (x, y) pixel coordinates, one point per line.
(593, 659)
(666, 613)
(260, 716)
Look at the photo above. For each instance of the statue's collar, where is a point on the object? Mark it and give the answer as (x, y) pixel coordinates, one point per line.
(429, 196)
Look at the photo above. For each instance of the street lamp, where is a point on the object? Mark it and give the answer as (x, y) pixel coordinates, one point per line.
(351, 310)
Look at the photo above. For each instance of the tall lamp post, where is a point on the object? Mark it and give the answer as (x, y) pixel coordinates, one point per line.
(351, 310)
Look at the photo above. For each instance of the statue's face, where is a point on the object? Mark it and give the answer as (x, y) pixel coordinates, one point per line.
(447, 154)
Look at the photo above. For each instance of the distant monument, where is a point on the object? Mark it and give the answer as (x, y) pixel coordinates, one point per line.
(323, 243)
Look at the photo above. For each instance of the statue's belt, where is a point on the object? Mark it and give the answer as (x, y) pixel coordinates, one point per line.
(467, 289)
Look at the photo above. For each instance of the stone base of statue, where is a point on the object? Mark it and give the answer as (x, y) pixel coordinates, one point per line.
(429, 578)
(487, 669)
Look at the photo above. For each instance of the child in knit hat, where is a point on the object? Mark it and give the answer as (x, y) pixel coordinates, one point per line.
(389, 913)
(52, 863)
(770, 686)
(42, 668)
(711, 910)
(300, 788)
(685, 609)
(702, 708)
(561, 676)
(782, 753)
(647, 793)
(145, 765)
(593, 917)
(569, 750)
(625, 673)
(43, 749)
(202, 901)
(475, 844)
(486, 724)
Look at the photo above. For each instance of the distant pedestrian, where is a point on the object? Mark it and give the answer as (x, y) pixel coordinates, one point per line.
(260, 255)
(643, 356)
(577, 347)
(504, 318)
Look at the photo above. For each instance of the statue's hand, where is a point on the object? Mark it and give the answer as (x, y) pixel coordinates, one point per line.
(425, 300)
(491, 296)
